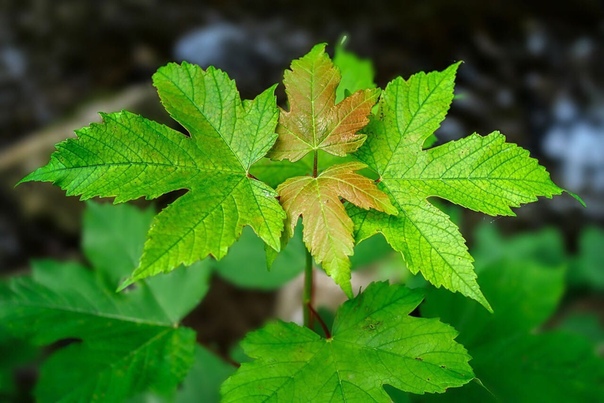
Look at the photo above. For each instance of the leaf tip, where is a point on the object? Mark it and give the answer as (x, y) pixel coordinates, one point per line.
(483, 301)
(318, 48)
(125, 284)
(347, 288)
(576, 197)
(390, 209)
(28, 178)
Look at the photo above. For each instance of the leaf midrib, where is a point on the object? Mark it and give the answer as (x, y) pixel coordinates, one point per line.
(201, 112)
(94, 314)
(412, 118)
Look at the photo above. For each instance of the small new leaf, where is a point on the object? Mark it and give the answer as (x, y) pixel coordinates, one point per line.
(484, 174)
(314, 121)
(128, 156)
(327, 227)
(357, 73)
(374, 343)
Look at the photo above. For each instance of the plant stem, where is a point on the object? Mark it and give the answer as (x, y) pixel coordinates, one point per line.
(308, 273)
(231, 362)
(321, 322)
(308, 291)
(226, 358)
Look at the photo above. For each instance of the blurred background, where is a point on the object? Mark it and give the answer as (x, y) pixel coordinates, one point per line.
(533, 70)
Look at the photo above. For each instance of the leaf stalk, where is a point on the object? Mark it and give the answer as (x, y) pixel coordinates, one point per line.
(307, 296)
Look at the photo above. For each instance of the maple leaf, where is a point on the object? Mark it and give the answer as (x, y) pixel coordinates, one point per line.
(374, 342)
(357, 74)
(314, 121)
(514, 357)
(126, 343)
(128, 156)
(484, 174)
(327, 228)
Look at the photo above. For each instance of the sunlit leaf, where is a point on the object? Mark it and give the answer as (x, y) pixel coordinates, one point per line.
(128, 156)
(374, 342)
(485, 174)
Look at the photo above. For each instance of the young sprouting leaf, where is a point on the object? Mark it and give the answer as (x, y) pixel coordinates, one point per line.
(514, 361)
(484, 174)
(314, 121)
(274, 173)
(128, 156)
(327, 228)
(357, 73)
(374, 342)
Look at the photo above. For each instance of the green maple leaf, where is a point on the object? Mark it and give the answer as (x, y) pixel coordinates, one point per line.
(314, 121)
(510, 355)
(128, 156)
(484, 174)
(248, 252)
(124, 343)
(204, 380)
(374, 343)
(327, 228)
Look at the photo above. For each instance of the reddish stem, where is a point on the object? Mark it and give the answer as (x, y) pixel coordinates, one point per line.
(323, 325)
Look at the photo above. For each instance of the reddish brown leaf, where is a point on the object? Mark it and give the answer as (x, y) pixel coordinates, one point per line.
(315, 121)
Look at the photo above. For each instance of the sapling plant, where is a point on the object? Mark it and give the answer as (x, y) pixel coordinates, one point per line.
(344, 160)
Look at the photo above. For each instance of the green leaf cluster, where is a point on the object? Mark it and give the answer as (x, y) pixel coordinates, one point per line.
(128, 156)
(514, 357)
(347, 158)
(115, 345)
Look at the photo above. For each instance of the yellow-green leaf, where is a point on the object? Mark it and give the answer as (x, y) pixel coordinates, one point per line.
(128, 156)
(327, 227)
(484, 174)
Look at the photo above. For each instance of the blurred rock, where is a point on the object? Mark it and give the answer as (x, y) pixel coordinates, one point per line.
(575, 139)
(251, 53)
